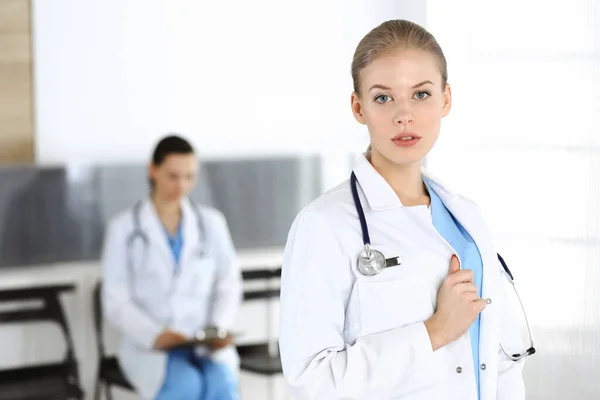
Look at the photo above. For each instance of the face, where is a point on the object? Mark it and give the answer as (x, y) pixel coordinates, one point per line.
(175, 177)
(402, 102)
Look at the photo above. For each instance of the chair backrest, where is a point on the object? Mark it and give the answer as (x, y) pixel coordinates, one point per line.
(51, 309)
(272, 278)
(98, 318)
(266, 274)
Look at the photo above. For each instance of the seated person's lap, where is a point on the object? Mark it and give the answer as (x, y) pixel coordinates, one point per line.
(189, 376)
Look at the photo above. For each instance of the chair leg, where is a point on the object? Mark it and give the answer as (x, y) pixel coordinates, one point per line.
(108, 392)
(97, 390)
(271, 387)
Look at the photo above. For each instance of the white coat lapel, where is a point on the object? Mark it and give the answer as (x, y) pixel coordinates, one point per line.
(156, 233)
(191, 234)
(469, 217)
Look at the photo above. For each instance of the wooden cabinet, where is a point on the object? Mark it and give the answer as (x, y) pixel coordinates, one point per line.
(16, 87)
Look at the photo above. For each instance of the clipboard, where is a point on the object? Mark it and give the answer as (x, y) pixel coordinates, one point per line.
(194, 342)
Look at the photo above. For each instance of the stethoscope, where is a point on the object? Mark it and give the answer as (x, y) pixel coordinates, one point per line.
(138, 233)
(372, 262)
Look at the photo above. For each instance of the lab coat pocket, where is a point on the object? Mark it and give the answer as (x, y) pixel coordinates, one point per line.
(200, 278)
(391, 304)
(148, 281)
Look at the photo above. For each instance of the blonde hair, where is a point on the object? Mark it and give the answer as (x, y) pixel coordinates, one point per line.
(392, 35)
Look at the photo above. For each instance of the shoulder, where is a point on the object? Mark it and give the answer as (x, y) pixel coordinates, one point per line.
(331, 212)
(119, 226)
(213, 219)
(329, 204)
(123, 219)
(209, 214)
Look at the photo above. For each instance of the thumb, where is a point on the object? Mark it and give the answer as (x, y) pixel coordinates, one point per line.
(454, 265)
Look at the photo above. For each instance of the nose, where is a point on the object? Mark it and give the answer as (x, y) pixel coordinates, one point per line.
(183, 186)
(404, 115)
(179, 188)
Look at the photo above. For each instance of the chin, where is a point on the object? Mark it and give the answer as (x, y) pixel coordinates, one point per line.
(407, 162)
(405, 158)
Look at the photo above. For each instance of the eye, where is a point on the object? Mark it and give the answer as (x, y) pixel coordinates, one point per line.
(383, 98)
(422, 95)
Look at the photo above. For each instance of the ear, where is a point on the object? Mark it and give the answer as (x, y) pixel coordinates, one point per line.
(151, 170)
(357, 109)
(447, 100)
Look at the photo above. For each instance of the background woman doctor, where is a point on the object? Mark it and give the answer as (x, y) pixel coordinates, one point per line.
(426, 328)
(167, 277)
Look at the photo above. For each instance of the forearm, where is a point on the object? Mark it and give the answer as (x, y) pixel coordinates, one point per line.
(355, 372)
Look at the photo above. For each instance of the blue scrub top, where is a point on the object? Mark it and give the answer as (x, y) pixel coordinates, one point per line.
(453, 232)
(176, 244)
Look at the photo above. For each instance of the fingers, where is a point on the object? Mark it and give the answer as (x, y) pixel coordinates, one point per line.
(220, 343)
(471, 296)
(466, 287)
(476, 303)
(454, 265)
(464, 275)
(479, 305)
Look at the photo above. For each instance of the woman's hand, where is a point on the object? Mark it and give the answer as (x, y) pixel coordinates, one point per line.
(458, 305)
(217, 344)
(169, 339)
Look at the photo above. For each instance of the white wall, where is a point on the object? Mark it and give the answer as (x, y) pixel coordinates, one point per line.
(239, 78)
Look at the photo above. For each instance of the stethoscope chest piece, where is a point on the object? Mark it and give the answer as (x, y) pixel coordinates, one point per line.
(371, 262)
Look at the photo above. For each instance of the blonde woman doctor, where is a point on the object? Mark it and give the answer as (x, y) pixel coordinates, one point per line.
(391, 286)
(169, 274)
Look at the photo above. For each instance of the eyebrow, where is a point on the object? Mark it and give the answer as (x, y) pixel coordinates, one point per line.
(383, 87)
(422, 83)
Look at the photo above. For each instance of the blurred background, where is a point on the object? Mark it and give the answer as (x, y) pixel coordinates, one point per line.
(262, 90)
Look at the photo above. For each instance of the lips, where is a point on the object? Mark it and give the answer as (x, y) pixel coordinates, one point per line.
(406, 140)
(406, 136)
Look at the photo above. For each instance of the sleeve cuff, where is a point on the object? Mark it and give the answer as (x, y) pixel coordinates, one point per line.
(149, 336)
(428, 367)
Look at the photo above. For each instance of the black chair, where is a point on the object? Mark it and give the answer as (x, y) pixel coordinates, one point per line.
(261, 358)
(109, 371)
(48, 381)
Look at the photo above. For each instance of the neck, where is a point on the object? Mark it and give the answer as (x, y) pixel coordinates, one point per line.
(405, 180)
(166, 208)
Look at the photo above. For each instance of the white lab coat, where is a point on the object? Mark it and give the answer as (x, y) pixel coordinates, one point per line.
(143, 299)
(348, 336)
